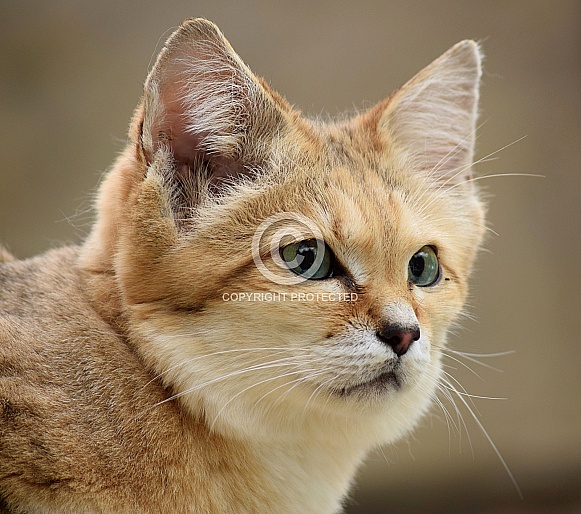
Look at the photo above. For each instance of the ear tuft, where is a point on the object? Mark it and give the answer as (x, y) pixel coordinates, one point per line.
(433, 117)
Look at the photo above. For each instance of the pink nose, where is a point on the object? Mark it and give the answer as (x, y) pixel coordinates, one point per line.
(398, 337)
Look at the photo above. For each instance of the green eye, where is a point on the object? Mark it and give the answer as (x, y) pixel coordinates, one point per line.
(423, 268)
(311, 259)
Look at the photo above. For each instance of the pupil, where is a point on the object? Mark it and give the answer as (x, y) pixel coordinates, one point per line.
(417, 266)
(306, 257)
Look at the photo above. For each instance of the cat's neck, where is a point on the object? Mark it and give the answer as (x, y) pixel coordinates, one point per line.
(309, 475)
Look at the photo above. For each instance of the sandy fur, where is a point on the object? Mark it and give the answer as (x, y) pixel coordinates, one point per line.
(129, 384)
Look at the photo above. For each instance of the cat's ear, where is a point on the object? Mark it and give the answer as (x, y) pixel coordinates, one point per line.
(204, 107)
(433, 117)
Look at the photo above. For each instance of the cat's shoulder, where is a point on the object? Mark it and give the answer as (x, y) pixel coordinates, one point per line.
(49, 325)
(75, 400)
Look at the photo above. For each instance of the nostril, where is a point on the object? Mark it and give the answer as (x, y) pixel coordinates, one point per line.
(399, 338)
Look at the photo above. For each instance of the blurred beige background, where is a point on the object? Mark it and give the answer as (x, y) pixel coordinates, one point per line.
(71, 73)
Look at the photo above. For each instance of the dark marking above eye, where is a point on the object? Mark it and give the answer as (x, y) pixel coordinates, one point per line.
(347, 280)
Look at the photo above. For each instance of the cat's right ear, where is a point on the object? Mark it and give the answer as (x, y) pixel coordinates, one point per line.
(205, 109)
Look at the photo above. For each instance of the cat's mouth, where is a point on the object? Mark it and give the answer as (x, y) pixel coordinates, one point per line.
(388, 380)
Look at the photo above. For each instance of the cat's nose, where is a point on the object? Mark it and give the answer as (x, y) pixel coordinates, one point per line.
(398, 337)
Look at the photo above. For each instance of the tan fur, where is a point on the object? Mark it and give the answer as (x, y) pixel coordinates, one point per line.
(128, 383)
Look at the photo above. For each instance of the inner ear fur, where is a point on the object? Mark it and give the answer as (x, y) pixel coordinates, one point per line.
(205, 108)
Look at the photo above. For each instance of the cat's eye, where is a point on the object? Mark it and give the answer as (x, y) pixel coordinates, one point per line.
(311, 259)
(423, 268)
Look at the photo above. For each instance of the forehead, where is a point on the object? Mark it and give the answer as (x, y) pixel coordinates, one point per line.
(362, 202)
(365, 196)
(372, 222)
(359, 177)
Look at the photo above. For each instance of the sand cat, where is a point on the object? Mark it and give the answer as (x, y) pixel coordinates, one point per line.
(262, 300)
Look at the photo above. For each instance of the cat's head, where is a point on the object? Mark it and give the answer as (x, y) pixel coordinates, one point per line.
(279, 273)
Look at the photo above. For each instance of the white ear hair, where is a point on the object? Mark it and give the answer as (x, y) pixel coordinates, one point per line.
(433, 116)
(200, 97)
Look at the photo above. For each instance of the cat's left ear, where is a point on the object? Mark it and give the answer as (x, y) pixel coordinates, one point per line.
(432, 118)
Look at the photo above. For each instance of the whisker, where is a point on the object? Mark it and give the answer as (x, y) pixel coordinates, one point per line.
(458, 171)
(473, 222)
(277, 350)
(471, 357)
(482, 159)
(450, 380)
(445, 354)
(451, 153)
(457, 425)
(486, 355)
(317, 391)
(269, 379)
(450, 399)
(468, 395)
(447, 392)
(496, 175)
(495, 449)
(295, 383)
(268, 365)
(447, 415)
(304, 379)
